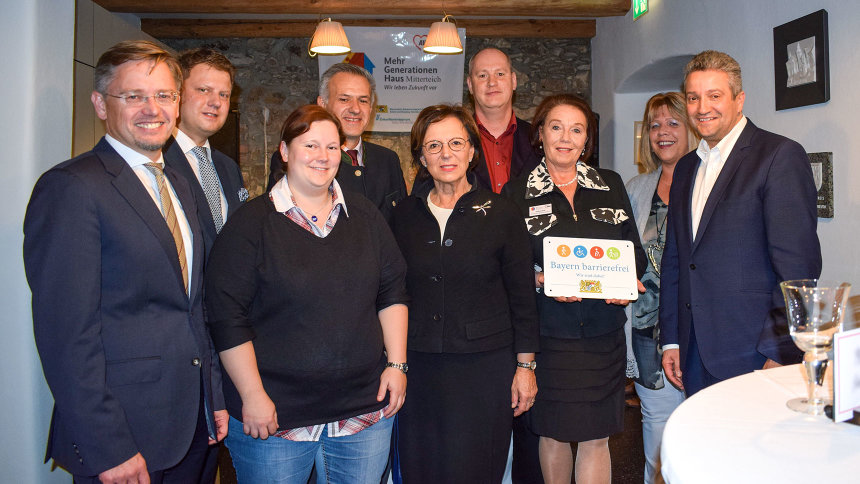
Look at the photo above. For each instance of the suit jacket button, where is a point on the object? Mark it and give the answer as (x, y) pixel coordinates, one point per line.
(436, 317)
(357, 172)
(692, 267)
(393, 203)
(688, 305)
(195, 361)
(461, 209)
(81, 460)
(449, 242)
(436, 278)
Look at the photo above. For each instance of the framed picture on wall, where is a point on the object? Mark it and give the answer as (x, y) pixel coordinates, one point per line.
(801, 66)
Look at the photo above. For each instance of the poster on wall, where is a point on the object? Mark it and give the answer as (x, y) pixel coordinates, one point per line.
(407, 78)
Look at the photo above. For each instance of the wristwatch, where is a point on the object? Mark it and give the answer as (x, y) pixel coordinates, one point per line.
(529, 365)
(400, 366)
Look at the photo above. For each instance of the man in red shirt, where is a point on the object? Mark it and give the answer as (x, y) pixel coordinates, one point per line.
(505, 152)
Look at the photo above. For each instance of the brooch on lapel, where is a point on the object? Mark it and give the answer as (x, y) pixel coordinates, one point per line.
(243, 194)
(482, 208)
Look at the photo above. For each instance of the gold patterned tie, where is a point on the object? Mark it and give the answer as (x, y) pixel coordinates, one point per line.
(170, 217)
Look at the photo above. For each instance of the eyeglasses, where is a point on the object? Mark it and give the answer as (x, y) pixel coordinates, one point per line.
(164, 98)
(435, 146)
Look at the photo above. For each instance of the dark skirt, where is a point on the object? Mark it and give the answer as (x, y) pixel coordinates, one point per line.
(455, 426)
(580, 388)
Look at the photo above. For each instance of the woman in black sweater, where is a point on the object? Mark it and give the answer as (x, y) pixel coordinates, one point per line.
(581, 367)
(305, 296)
(472, 313)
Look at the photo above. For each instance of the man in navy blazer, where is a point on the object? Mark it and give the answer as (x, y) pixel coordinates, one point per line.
(348, 91)
(205, 102)
(742, 218)
(114, 259)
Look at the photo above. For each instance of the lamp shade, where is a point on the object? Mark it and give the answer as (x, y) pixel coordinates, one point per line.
(329, 38)
(443, 39)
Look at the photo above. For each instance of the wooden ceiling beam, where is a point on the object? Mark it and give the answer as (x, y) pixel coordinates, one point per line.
(162, 28)
(479, 8)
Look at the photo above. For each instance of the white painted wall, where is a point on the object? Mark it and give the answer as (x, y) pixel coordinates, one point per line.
(36, 76)
(35, 131)
(743, 29)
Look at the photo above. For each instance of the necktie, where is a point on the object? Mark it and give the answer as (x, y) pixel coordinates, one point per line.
(211, 185)
(170, 218)
(354, 155)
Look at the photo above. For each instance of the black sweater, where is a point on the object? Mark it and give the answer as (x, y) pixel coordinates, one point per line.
(309, 304)
(473, 289)
(591, 317)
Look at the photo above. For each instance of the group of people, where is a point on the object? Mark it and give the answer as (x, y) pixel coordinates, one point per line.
(170, 312)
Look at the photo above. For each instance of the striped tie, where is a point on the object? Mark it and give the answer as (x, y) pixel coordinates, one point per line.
(211, 185)
(170, 218)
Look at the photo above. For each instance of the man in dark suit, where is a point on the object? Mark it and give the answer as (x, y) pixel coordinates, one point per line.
(114, 258)
(214, 177)
(742, 218)
(349, 92)
(506, 151)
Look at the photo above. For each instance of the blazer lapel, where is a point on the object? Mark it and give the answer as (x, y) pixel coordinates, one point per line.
(736, 158)
(128, 185)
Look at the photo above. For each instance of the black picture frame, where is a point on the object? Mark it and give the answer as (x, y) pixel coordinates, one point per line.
(796, 35)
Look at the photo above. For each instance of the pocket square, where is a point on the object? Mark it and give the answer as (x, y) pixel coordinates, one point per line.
(243, 194)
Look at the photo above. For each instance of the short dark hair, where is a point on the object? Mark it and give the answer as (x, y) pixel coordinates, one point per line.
(434, 114)
(574, 101)
(299, 122)
(133, 51)
(203, 55)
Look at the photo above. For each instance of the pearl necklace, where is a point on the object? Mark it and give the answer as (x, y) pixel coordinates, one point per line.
(562, 185)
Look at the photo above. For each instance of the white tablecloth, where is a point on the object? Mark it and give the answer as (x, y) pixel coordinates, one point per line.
(741, 431)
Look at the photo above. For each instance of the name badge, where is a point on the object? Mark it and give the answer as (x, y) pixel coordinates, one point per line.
(540, 209)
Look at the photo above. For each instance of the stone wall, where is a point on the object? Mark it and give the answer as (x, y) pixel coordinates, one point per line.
(277, 75)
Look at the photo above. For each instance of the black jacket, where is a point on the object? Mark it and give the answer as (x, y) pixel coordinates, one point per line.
(602, 211)
(473, 289)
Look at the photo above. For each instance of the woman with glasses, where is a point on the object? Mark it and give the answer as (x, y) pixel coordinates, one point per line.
(581, 366)
(666, 137)
(472, 320)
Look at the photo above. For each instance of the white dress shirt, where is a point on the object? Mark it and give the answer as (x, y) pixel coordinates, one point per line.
(713, 160)
(137, 161)
(186, 145)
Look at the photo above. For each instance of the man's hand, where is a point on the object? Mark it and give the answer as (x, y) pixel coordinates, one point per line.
(132, 471)
(523, 391)
(672, 367)
(394, 381)
(222, 419)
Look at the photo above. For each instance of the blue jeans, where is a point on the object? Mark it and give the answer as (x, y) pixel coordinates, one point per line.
(358, 458)
(656, 407)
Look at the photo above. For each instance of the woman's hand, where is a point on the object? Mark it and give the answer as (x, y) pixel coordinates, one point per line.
(539, 283)
(392, 381)
(523, 391)
(259, 418)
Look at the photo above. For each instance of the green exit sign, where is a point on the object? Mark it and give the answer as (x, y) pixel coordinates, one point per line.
(639, 8)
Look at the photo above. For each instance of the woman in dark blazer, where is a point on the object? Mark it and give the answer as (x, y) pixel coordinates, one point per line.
(472, 318)
(581, 367)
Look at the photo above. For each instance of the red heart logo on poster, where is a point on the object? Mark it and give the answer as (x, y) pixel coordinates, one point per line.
(419, 40)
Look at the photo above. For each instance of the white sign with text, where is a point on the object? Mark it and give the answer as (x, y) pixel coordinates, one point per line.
(407, 78)
(589, 268)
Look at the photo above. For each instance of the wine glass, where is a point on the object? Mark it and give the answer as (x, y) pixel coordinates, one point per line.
(815, 310)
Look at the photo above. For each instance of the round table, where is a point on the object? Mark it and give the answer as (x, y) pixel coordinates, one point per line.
(740, 430)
